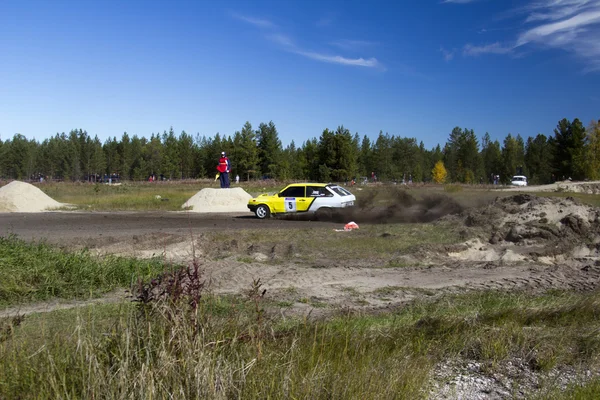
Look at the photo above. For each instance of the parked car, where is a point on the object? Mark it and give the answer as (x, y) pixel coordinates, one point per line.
(318, 198)
(519, 180)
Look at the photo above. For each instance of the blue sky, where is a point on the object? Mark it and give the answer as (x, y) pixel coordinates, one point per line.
(411, 68)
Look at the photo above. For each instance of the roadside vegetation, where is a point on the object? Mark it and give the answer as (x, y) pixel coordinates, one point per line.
(196, 345)
(38, 272)
(570, 151)
(142, 196)
(180, 340)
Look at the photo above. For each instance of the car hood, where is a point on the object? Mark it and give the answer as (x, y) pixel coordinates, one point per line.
(264, 196)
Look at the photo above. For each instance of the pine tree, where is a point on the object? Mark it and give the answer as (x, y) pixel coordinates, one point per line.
(538, 160)
(569, 144)
(491, 158)
(269, 148)
(186, 154)
(592, 151)
(248, 154)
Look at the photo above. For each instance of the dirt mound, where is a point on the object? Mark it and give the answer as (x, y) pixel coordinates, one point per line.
(211, 200)
(541, 226)
(24, 197)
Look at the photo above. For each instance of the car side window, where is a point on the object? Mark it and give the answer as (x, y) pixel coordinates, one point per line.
(316, 191)
(294, 191)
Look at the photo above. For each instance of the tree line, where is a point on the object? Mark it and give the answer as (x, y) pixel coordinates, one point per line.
(573, 151)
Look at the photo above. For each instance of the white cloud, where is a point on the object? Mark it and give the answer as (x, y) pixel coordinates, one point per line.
(281, 39)
(346, 44)
(569, 25)
(258, 22)
(494, 48)
(448, 54)
(555, 10)
(287, 44)
(357, 62)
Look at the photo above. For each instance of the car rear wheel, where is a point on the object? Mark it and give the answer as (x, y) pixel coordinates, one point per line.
(324, 214)
(262, 212)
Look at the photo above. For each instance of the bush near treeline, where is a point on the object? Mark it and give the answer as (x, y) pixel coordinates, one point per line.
(571, 152)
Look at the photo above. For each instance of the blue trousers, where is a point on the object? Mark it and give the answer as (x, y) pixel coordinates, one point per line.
(224, 179)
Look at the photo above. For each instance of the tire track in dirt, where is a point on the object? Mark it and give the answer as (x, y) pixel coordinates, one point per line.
(54, 305)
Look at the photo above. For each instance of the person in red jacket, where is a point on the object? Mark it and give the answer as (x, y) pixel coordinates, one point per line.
(224, 167)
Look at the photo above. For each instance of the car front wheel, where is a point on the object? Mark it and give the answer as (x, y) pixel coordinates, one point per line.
(262, 211)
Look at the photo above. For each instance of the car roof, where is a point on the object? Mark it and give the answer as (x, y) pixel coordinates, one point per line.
(519, 176)
(309, 184)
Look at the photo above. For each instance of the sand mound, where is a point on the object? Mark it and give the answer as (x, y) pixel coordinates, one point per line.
(24, 197)
(219, 200)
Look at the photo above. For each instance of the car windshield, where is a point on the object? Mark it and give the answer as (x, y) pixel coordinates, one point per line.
(340, 190)
(518, 178)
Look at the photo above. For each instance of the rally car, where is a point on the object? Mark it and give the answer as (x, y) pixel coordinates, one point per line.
(318, 198)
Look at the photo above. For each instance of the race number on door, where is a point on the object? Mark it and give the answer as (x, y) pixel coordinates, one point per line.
(290, 204)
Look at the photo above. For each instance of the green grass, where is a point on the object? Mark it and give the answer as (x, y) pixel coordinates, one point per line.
(589, 390)
(124, 197)
(319, 244)
(229, 348)
(36, 272)
(137, 196)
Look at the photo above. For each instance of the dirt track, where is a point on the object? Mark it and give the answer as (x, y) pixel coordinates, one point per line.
(517, 243)
(63, 227)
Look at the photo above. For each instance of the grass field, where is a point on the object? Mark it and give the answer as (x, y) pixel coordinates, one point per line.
(141, 196)
(135, 196)
(198, 345)
(207, 346)
(239, 348)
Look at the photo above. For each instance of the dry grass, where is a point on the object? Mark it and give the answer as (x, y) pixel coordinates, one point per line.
(239, 348)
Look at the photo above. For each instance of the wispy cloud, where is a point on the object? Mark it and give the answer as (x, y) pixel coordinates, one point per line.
(258, 22)
(493, 48)
(286, 43)
(448, 54)
(555, 10)
(358, 62)
(281, 40)
(324, 21)
(459, 1)
(351, 45)
(569, 25)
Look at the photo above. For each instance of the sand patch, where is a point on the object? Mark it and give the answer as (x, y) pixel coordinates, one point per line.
(591, 187)
(211, 200)
(23, 197)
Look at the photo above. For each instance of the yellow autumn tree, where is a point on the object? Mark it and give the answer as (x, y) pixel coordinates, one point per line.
(439, 172)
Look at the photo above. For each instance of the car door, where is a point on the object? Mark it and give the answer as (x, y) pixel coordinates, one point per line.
(291, 199)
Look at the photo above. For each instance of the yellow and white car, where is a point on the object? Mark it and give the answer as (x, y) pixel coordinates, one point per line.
(318, 198)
